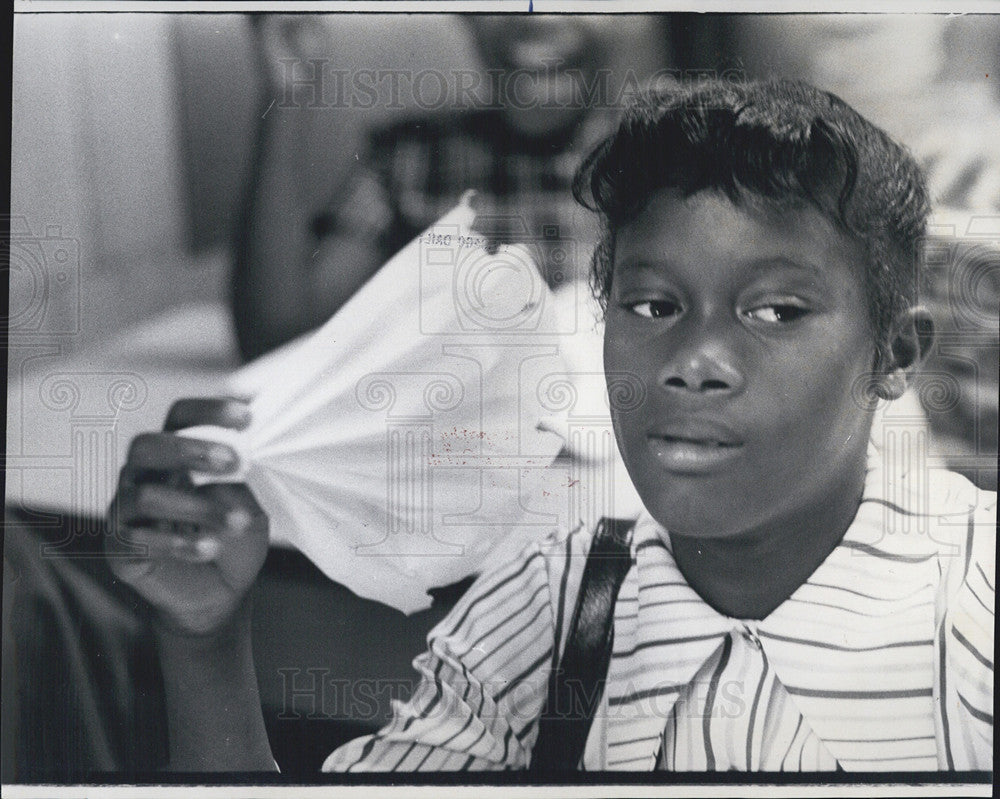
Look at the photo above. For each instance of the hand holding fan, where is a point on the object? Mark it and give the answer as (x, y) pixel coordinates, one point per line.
(387, 446)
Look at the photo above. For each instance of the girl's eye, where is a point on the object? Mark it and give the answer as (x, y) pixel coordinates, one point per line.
(778, 313)
(654, 309)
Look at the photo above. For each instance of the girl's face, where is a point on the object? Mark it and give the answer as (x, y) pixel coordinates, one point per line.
(749, 332)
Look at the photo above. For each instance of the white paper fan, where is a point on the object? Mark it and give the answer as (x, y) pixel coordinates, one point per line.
(387, 446)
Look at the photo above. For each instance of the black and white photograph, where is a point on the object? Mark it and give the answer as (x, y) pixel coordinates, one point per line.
(532, 395)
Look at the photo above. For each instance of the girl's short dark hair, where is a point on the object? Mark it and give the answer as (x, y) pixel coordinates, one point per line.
(781, 143)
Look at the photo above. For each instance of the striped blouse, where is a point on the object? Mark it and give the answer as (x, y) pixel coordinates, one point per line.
(880, 661)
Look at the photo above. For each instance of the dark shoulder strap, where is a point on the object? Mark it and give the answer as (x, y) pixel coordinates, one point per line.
(577, 681)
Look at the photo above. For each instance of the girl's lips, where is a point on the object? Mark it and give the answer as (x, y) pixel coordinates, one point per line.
(690, 454)
(695, 431)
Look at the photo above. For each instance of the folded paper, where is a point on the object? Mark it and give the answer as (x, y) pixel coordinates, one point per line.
(395, 445)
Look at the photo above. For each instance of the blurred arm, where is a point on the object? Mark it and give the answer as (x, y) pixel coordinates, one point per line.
(214, 717)
(290, 274)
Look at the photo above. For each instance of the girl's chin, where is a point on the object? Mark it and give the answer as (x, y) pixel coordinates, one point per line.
(695, 525)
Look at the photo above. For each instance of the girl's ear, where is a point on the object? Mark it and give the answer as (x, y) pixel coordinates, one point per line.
(912, 337)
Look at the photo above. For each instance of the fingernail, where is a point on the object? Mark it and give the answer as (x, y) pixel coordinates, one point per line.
(241, 417)
(238, 520)
(207, 548)
(221, 458)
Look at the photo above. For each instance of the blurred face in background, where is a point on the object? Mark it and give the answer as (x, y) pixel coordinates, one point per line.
(545, 60)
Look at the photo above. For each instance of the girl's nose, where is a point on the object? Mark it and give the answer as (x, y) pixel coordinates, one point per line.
(706, 366)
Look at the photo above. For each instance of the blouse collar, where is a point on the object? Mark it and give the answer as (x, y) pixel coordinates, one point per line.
(827, 643)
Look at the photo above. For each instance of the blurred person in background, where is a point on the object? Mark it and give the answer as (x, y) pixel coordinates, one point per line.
(298, 259)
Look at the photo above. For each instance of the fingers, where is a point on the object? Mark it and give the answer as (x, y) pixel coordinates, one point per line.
(175, 542)
(169, 452)
(158, 522)
(242, 511)
(158, 545)
(162, 503)
(223, 412)
(225, 508)
(190, 552)
(136, 550)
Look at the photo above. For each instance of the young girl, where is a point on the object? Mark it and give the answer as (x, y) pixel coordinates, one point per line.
(791, 603)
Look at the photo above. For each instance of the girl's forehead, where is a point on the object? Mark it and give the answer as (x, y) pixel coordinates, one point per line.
(672, 225)
(666, 205)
